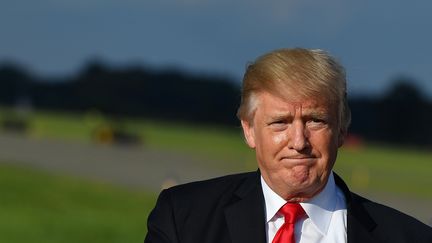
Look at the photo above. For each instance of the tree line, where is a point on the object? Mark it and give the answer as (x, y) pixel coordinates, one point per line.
(401, 116)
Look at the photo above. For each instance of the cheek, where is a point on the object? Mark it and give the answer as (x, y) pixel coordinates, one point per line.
(326, 145)
(269, 145)
(270, 140)
(279, 139)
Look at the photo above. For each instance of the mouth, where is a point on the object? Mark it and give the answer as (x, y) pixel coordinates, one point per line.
(299, 159)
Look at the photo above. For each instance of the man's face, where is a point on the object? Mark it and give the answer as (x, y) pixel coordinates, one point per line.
(296, 143)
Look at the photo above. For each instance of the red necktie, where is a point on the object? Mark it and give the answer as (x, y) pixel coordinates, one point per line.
(292, 212)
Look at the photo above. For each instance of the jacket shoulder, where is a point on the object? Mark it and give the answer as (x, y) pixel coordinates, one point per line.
(391, 223)
(210, 188)
(187, 212)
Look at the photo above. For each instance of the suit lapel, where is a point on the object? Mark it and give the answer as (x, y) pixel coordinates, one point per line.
(357, 231)
(360, 223)
(245, 216)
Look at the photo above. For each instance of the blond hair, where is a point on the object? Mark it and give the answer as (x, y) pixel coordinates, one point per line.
(296, 72)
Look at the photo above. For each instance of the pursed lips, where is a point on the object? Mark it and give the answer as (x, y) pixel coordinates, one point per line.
(299, 158)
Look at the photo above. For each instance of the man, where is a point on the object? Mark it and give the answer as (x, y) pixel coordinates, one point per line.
(294, 114)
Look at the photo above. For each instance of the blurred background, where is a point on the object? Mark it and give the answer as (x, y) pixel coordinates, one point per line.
(104, 103)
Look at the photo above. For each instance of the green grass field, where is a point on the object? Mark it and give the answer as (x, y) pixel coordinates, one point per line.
(368, 167)
(403, 172)
(40, 207)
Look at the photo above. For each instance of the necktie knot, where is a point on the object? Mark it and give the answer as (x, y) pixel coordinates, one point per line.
(292, 212)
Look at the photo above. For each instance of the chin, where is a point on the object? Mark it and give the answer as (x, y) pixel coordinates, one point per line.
(302, 193)
(300, 174)
(302, 186)
(306, 182)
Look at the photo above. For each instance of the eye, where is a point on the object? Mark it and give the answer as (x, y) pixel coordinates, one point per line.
(278, 124)
(316, 122)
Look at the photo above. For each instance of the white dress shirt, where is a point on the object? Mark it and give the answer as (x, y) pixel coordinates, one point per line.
(326, 215)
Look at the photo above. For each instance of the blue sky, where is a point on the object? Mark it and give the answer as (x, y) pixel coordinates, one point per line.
(375, 40)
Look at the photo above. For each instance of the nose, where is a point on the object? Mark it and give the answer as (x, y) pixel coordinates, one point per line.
(298, 136)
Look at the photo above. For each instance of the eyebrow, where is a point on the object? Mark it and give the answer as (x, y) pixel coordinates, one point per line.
(320, 114)
(283, 115)
(311, 113)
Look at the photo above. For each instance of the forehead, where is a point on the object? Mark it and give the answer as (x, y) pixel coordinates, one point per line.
(275, 105)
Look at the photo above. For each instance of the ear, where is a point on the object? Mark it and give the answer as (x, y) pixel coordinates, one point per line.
(341, 137)
(249, 134)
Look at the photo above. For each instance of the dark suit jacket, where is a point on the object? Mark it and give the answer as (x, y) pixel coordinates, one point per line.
(231, 209)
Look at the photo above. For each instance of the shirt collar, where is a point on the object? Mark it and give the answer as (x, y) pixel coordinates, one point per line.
(273, 201)
(319, 209)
